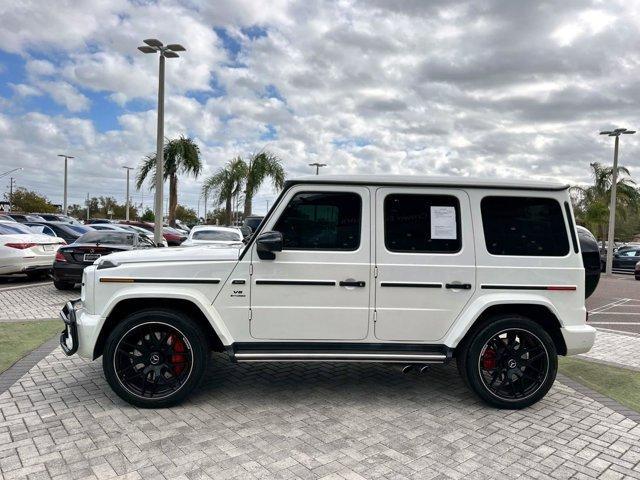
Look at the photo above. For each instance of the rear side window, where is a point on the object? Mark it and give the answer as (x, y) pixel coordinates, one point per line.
(524, 227)
(321, 221)
(422, 223)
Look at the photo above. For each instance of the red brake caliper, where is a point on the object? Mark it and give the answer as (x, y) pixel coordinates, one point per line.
(178, 357)
(489, 359)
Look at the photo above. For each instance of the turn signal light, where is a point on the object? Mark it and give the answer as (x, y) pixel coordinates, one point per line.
(60, 257)
(20, 246)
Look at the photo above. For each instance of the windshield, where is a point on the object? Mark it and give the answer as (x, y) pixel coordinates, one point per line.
(7, 228)
(107, 238)
(217, 235)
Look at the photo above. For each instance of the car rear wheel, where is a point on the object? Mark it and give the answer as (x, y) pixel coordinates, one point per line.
(62, 285)
(155, 358)
(511, 362)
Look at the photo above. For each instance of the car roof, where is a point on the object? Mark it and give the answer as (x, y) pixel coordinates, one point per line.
(421, 180)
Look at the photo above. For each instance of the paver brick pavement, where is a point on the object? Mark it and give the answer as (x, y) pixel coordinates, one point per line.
(347, 421)
(33, 302)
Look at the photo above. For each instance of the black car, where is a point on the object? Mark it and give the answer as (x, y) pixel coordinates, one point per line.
(97, 220)
(625, 258)
(253, 222)
(64, 230)
(72, 259)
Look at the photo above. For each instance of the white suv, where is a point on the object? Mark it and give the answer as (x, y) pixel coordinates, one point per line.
(407, 270)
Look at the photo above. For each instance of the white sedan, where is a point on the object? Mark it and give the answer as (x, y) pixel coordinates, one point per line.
(23, 251)
(213, 235)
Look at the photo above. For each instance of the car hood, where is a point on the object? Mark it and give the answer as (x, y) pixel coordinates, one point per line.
(175, 254)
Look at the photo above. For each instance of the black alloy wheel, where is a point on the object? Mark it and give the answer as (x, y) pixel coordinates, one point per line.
(513, 364)
(154, 358)
(510, 362)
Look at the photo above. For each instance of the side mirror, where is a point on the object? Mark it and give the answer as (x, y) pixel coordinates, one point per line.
(268, 243)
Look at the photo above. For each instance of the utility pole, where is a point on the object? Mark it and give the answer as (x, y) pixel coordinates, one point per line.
(614, 186)
(88, 205)
(317, 165)
(64, 203)
(156, 46)
(128, 169)
(12, 182)
(205, 208)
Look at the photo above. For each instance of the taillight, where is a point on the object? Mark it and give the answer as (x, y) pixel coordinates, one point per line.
(60, 257)
(20, 246)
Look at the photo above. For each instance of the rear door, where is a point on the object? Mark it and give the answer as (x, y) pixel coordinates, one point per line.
(425, 262)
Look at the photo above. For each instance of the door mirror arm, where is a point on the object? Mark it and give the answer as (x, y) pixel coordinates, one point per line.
(267, 243)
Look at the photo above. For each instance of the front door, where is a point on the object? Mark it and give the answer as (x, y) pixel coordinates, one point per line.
(317, 288)
(425, 262)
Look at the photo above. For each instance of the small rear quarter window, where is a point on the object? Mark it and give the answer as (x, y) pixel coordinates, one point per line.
(524, 226)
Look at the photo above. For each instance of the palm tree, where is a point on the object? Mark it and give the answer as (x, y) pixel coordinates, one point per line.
(181, 156)
(261, 166)
(226, 184)
(592, 203)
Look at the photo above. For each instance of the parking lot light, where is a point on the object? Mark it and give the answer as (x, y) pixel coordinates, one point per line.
(64, 202)
(153, 45)
(614, 186)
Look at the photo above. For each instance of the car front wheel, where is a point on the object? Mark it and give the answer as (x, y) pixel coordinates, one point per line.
(155, 358)
(511, 362)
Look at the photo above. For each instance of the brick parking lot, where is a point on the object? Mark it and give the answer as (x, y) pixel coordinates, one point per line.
(350, 421)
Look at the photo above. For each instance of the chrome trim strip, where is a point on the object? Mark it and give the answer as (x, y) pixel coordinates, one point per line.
(340, 357)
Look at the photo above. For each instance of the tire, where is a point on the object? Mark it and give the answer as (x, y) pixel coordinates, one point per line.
(62, 285)
(510, 362)
(157, 349)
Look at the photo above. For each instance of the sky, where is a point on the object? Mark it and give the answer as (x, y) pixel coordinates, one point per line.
(508, 89)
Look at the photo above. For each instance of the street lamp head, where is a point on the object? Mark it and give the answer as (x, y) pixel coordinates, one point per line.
(65, 156)
(146, 49)
(605, 132)
(170, 54)
(153, 42)
(629, 132)
(176, 47)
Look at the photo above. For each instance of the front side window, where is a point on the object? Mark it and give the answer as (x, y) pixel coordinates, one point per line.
(321, 221)
(422, 223)
(524, 226)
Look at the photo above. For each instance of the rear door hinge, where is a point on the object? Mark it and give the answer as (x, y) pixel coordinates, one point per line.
(250, 314)
(250, 269)
(375, 272)
(375, 316)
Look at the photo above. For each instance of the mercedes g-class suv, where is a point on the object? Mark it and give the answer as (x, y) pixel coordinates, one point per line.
(396, 269)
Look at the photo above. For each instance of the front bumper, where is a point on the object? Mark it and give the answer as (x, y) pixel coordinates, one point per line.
(578, 338)
(69, 336)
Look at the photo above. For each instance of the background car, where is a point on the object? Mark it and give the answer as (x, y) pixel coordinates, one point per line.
(22, 251)
(172, 237)
(58, 217)
(213, 235)
(626, 258)
(71, 260)
(97, 220)
(64, 230)
(24, 217)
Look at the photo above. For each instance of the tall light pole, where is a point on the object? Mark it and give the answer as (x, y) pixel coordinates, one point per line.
(128, 203)
(614, 186)
(64, 202)
(317, 165)
(156, 46)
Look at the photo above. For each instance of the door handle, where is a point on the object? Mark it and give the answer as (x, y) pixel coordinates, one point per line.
(458, 286)
(352, 283)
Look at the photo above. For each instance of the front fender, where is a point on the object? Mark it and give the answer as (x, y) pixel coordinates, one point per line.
(464, 323)
(194, 296)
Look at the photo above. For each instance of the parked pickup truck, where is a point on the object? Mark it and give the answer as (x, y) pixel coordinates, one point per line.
(409, 270)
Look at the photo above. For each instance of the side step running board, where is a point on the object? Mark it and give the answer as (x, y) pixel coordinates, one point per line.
(386, 357)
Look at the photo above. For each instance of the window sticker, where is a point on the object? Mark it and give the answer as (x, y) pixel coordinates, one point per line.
(443, 223)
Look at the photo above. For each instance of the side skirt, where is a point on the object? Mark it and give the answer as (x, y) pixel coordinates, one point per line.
(338, 352)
